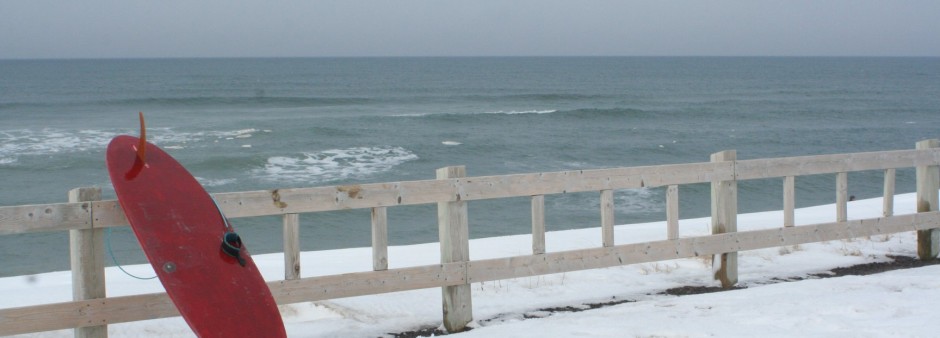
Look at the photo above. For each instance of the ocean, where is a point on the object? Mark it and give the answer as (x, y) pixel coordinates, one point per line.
(260, 124)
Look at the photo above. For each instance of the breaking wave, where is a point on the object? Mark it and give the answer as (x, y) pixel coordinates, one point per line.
(51, 141)
(334, 164)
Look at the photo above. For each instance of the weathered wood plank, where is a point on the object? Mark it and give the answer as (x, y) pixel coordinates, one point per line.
(379, 239)
(595, 258)
(261, 203)
(86, 255)
(66, 216)
(928, 182)
(827, 164)
(330, 198)
(454, 233)
(48, 317)
(789, 200)
(538, 224)
(368, 283)
(607, 218)
(672, 212)
(485, 187)
(86, 313)
(724, 207)
(291, 246)
(887, 203)
(44, 217)
(108, 213)
(842, 196)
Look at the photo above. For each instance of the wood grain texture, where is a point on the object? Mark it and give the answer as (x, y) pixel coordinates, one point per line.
(672, 212)
(454, 233)
(724, 202)
(887, 206)
(607, 218)
(379, 239)
(842, 196)
(789, 201)
(86, 255)
(928, 183)
(291, 246)
(538, 224)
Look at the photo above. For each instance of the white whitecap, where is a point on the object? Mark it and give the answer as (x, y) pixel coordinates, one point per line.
(411, 115)
(214, 182)
(168, 136)
(15, 143)
(46, 141)
(334, 164)
(516, 112)
(235, 134)
(246, 146)
(451, 143)
(638, 200)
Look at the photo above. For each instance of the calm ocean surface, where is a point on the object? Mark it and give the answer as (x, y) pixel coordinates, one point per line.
(255, 124)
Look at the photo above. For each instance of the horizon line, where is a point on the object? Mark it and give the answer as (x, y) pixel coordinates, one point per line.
(450, 56)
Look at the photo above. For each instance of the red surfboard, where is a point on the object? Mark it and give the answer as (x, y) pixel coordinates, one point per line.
(202, 263)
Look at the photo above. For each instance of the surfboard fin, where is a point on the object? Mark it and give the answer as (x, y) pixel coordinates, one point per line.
(141, 149)
(142, 144)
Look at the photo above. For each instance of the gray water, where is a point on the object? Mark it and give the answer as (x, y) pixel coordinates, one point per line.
(257, 124)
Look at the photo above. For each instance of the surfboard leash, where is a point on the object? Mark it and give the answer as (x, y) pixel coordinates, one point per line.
(232, 246)
(118, 265)
(231, 241)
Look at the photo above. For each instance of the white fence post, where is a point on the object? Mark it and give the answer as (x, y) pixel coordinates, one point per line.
(842, 196)
(379, 239)
(672, 212)
(454, 235)
(724, 198)
(789, 201)
(887, 206)
(928, 182)
(291, 246)
(86, 248)
(538, 224)
(607, 218)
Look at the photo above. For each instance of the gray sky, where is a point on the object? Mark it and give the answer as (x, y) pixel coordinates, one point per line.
(240, 28)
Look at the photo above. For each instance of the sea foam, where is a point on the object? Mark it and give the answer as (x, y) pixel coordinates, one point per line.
(50, 141)
(334, 164)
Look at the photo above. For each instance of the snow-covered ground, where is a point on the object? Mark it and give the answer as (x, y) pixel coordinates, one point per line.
(892, 304)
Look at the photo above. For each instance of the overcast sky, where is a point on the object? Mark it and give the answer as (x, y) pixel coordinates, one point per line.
(239, 28)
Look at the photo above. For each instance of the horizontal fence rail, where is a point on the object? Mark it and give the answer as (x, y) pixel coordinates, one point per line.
(69, 216)
(86, 215)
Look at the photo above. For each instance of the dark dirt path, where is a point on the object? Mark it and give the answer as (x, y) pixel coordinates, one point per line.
(897, 263)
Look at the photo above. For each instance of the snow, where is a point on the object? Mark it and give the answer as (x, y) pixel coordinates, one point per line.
(889, 304)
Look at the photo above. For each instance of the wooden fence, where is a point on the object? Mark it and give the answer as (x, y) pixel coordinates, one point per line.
(86, 215)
